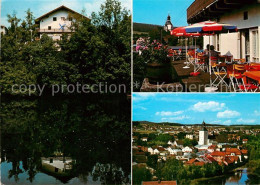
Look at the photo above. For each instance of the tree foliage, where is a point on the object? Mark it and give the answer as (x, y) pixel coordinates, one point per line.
(98, 51)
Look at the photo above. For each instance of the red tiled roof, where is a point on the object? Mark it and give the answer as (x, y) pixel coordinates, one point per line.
(160, 183)
(245, 139)
(211, 159)
(244, 151)
(228, 160)
(233, 150)
(201, 163)
(191, 161)
(212, 147)
(233, 158)
(218, 153)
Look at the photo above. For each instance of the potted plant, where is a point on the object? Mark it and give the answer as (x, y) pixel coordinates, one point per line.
(158, 64)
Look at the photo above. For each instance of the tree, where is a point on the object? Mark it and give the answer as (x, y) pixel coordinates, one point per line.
(141, 174)
(164, 138)
(152, 161)
(187, 142)
(181, 135)
(222, 137)
(171, 169)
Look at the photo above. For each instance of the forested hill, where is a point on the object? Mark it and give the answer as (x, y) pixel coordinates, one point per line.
(142, 27)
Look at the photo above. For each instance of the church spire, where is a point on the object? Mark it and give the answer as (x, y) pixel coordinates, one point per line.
(168, 24)
(203, 127)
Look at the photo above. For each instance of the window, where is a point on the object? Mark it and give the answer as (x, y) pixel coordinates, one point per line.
(255, 46)
(54, 18)
(49, 27)
(70, 18)
(63, 18)
(245, 15)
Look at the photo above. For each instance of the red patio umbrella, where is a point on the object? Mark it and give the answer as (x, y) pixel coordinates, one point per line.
(210, 27)
(181, 32)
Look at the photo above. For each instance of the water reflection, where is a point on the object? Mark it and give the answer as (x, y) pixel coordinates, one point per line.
(239, 177)
(50, 140)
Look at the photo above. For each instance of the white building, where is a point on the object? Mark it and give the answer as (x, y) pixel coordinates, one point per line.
(151, 150)
(3, 29)
(189, 136)
(144, 139)
(57, 22)
(245, 14)
(203, 135)
(187, 149)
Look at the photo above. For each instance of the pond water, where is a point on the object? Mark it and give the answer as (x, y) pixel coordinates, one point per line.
(239, 177)
(66, 140)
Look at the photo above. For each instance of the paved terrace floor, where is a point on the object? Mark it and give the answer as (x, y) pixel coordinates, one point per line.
(193, 83)
(189, 83)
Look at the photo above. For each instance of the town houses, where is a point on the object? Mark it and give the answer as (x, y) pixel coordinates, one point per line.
(192, 144)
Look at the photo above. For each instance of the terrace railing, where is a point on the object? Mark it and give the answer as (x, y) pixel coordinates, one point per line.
(55, 30)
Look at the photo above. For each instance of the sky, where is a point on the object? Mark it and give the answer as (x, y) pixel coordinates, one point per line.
(156, 11)
(193, 108)
(40, 7)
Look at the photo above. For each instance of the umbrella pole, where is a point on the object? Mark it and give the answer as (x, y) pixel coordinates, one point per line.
(186, 49)
(211, 88)
(186, 67)
(210, 63)
(195, 56)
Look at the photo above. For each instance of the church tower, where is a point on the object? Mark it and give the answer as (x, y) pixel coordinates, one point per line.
(168, 25)
(203, 135)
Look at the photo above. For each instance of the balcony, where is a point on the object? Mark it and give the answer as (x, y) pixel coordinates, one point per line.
(55, 31)
(203, 10)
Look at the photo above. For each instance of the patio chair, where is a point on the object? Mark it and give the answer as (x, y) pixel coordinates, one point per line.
(236, 77)
(241, 83)
(171, 54)
(220, 73)
(191, 58)
(200, 63)
(178, 56)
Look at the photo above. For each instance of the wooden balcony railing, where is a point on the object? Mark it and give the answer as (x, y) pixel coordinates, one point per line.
(55, 30)
(197, 6)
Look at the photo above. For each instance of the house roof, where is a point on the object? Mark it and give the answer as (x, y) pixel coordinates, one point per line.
(212, 147)
(244, 151)
(233, 158)
(201, 163)
(218, 153)
(233, 150)
(59, 8)
(211, 159)
(160, 183)
(179, 142)
(191, 161)
(161, 149)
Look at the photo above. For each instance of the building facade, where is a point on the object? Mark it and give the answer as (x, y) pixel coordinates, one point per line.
(57, 22)
(203, 135)
(3, 29)
(245, 14)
